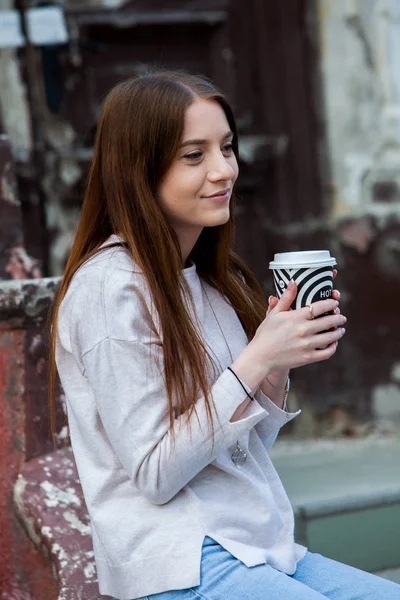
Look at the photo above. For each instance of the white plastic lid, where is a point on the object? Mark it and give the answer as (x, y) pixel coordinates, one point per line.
(302, 260)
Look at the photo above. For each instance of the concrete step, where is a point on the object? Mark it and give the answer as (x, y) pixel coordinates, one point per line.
(346, 498)
(392, 574)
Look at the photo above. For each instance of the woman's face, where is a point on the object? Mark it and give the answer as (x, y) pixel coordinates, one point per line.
(196, 190)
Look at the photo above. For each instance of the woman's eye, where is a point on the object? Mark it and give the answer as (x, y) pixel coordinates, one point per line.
(228, 147)
(194, 155)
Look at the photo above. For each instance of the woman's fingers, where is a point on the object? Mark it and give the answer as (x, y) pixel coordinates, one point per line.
(325, 353)
(326, 339)
(324, 323)
(318, 308)
(272, 302)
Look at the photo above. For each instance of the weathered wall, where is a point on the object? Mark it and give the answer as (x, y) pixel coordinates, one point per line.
(15, 262)
(296, 187)
(23, 571)
(360, 68)
(320, 174)
(360, 61)
(14, 107)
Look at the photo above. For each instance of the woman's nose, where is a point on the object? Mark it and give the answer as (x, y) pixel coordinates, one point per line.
(221, 169)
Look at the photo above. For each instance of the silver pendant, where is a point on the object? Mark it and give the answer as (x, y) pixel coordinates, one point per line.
(238, 456)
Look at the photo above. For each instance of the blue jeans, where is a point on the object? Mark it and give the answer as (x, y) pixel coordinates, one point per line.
(223, 577)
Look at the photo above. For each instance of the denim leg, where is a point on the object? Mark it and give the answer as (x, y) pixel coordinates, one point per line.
(337, 581)
(223, 577)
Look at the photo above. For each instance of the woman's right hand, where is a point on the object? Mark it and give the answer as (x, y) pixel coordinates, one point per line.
(290, 338)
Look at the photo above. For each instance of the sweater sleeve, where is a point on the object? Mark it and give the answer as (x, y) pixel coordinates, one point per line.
(130, 394)
(116, 342)
(268, 429)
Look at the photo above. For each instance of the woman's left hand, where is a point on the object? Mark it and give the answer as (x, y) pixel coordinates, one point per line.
(277, 379)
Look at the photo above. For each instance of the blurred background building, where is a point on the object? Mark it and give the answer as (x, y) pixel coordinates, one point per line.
(316, 89)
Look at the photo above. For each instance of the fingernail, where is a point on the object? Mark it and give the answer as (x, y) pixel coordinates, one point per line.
(291, 284)
(336, 303)
(338, 293)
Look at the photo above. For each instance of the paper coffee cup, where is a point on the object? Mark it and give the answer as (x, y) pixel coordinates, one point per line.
(311, 270)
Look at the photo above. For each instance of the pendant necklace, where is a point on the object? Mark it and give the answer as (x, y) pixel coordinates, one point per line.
(238, 456)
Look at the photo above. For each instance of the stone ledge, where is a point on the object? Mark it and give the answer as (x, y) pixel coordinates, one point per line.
(26, 298)
(49, 503)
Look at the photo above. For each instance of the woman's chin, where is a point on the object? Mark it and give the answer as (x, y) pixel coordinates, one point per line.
(218, 219)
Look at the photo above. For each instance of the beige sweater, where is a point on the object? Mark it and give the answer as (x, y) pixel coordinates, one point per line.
(151, 510)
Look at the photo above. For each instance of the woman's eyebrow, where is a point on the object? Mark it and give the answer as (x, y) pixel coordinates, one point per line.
(202, 142)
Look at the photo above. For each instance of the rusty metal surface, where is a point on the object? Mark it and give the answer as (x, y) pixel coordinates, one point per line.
(24, 574)
(12, 422)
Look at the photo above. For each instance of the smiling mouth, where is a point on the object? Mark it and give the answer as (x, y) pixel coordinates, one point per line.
(219, 194)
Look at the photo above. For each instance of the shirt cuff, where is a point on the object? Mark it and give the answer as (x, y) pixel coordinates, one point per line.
(277, 415)
(254, 411)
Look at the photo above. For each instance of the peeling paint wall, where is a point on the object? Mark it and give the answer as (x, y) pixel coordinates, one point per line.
(15, 262)
(360, 76)
(49, 501)
(24, 573)
(14, 108)
(24, 429)
(360, 62)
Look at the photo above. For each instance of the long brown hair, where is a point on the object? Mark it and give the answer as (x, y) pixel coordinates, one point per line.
(138, 136)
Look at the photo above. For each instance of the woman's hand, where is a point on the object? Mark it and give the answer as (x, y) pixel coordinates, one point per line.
(287, 339)
(274, 384)
(273, 300)
(290, 338)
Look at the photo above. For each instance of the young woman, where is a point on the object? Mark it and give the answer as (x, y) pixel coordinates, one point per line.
(174, 376)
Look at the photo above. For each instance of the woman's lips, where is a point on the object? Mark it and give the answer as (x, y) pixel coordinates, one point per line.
(222, 195)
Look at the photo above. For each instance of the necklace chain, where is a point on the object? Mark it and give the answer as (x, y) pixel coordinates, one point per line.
(216, 319)
(238, 456)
